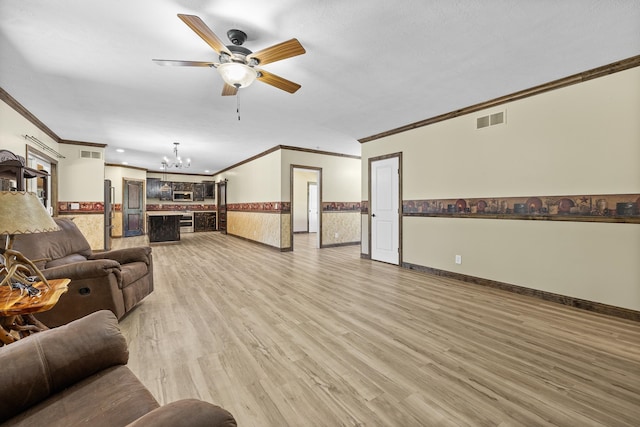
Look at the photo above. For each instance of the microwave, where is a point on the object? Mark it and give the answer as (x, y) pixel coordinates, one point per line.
(183, 196)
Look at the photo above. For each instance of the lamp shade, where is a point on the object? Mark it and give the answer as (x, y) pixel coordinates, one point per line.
(237, 74)
(22, 212)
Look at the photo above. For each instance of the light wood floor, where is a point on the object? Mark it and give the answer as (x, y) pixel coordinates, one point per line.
(325, 338)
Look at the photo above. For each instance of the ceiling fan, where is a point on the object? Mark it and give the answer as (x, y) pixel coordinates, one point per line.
(238, 64)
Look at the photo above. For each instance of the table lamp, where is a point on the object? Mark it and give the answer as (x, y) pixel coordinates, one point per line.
(21, 212)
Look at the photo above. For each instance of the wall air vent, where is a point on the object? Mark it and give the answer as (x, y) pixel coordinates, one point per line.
(490, 120)
(482, 122)
(86, 154)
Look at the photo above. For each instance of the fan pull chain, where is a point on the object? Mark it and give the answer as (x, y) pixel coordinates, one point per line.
(238, 104)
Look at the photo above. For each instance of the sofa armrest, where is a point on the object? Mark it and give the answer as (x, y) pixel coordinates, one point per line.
(126, 255)
(186, 413)
(83, 269)
(47, 362)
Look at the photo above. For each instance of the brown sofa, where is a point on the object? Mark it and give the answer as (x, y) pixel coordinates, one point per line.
(76, 375)
(113, 280)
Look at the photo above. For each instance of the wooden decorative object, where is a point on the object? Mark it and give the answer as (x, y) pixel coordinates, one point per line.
(17, 308)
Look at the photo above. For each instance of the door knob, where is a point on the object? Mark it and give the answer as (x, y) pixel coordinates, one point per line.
(373, 215)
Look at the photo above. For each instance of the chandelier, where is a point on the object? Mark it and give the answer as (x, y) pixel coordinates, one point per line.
(177, 161)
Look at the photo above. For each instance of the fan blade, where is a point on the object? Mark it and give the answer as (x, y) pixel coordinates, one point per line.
(201, 29)
(278, 52)
(228, 90)
(277, 81)
(184, 63)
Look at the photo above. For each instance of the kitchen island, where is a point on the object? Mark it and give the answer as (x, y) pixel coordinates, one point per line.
(164, 226)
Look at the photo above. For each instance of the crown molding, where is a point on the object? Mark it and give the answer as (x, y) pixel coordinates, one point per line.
(595, 73)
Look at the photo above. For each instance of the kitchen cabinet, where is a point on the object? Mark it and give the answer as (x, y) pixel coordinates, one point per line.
(153, 188)
(209, 189)
(182, 186)
(163, 190)
(204, 221)
(164, 226)
(198, 192)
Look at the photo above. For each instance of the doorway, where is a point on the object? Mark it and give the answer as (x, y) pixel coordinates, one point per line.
(306, 202)
(133, 207)
(44, 186)
(222, 206)
(385, 213)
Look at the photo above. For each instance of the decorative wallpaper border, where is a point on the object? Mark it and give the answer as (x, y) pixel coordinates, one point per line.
(98, 207)
(181, 207)
(285, 207)
(267, 207)
(341, 206)
(80, 207)
(597, 208)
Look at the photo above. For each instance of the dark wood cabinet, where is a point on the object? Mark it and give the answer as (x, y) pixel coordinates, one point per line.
(198, 192)
(153, 188)
(209, 189)
(204, 221)
(163, 190)
(164, 228)
(182, 186)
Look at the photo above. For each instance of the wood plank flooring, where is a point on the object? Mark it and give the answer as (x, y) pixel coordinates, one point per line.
(325, 338)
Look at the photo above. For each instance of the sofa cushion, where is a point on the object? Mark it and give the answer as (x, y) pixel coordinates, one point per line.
(113, 397)
(132, 272)
(69, 259)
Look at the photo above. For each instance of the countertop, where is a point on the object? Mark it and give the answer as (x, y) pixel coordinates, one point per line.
(166, 213)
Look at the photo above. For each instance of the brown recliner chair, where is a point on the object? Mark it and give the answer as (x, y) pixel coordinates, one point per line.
(114, 280)
(77, 375)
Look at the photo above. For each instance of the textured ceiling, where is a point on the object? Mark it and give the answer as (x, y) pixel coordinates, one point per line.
(84, 67)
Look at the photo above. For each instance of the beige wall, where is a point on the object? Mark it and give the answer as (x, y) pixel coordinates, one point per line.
(257, 226)
(340, 183)
(12, 128)
(340, 175)
(581, 139)
(268, 179)
(255, 181)
(80, 179)
(340, 227)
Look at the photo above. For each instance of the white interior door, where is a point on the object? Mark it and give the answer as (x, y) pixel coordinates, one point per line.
(312, 201)
(385, 223)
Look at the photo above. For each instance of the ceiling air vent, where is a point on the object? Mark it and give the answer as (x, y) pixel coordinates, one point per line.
(490, 120)
(86, 154)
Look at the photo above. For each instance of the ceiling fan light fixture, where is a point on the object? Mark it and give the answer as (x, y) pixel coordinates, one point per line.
(237, 74)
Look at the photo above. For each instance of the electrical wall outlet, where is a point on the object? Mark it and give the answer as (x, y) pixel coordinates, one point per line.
(458, 259)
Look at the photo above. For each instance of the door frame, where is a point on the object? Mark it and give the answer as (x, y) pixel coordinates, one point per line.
(318, 171)
(400, 208)
(53, 176)
(222, 213)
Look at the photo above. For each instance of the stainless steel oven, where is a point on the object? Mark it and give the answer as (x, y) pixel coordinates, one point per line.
(186, 222)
